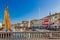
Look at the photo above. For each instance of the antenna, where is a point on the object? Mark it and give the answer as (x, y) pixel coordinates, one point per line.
(39, 13)
(50, 13)
(50, 19)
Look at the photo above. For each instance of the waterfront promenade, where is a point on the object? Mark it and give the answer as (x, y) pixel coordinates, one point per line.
(29, 35)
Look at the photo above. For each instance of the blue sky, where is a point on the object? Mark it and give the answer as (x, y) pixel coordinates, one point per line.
(20, 10)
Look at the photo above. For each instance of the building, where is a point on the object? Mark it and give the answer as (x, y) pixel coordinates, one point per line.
(55, 20)
(52, 21)
(1, 26)
(32, 23)
(45, 22)
(25, 23)
(36, 23)
(18, 27)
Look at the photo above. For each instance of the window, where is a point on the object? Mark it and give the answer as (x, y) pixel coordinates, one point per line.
(56, 16)
(55, 20)
(49, 19)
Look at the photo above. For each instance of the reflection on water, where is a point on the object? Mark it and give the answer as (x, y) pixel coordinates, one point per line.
(20, 35)
(27, 35)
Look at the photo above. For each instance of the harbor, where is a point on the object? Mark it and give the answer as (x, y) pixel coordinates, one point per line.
(29, 20)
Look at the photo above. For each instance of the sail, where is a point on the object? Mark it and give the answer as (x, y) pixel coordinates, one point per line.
(6, 19)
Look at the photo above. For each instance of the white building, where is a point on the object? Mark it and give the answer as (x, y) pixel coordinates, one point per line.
(1, 24)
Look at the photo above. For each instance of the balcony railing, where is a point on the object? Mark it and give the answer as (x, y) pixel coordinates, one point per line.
(17, 35)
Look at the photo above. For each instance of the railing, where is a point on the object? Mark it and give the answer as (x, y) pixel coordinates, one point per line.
(29, 35)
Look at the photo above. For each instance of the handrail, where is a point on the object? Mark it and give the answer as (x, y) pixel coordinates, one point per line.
(30, 34)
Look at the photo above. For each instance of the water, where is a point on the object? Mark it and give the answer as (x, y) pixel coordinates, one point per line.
(20, 35)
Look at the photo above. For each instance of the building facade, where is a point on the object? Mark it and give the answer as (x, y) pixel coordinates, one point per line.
(1, 25)
(36, 23)
(25, 23)
(55, 18)
(52, 21)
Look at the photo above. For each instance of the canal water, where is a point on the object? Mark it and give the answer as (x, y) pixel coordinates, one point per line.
(20, 35)
(27, 35)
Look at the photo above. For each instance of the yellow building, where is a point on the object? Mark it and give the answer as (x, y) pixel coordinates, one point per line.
(36, 23)
(25, 23)
(55, 20)
(32, 22)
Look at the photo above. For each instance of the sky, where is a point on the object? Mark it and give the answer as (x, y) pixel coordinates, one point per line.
(25, 10)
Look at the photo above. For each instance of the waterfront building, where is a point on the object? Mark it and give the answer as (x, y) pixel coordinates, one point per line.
(45, 22)
(36, 23)
(32, 23)
(53, 20)
(25, 23)
(1, 24)
(17, 25)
